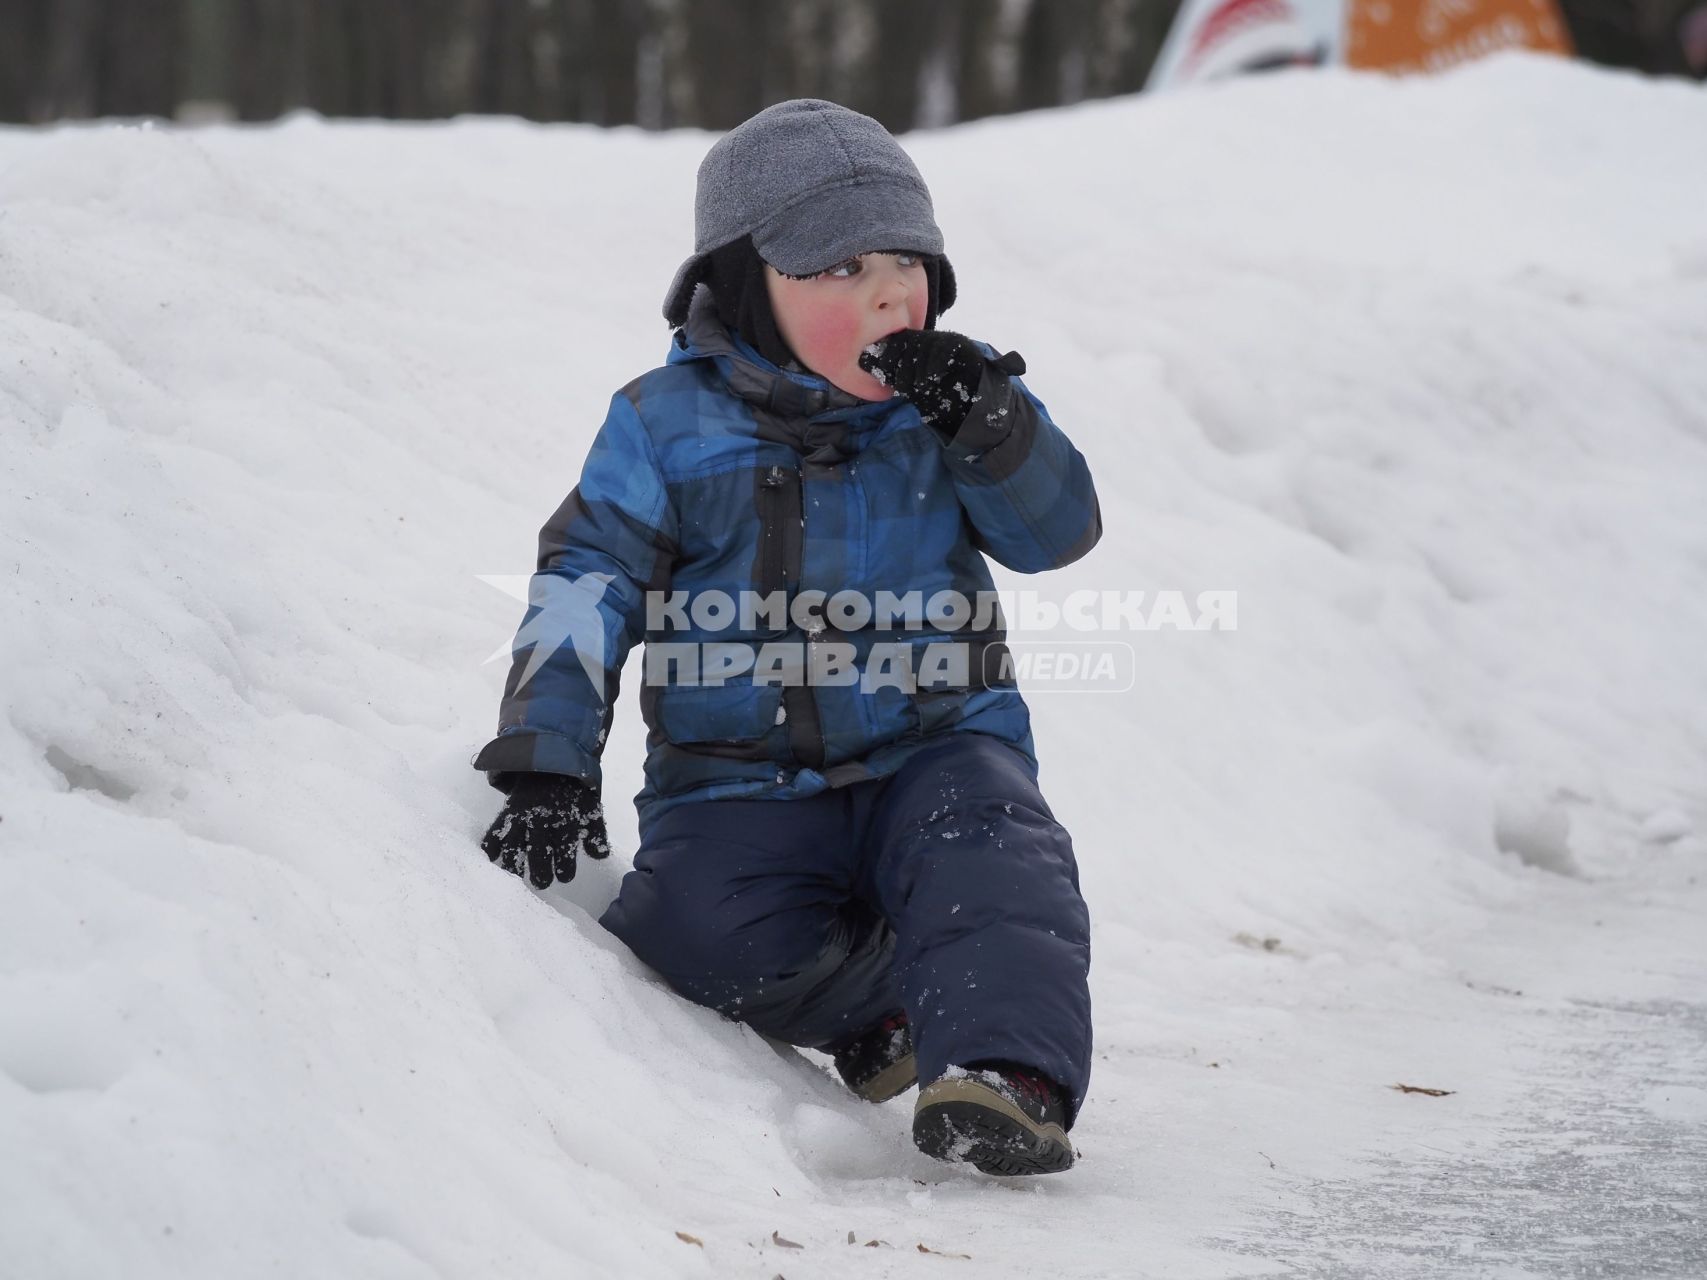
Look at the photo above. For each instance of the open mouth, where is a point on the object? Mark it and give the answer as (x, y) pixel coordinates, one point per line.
(875, 347)
(875, 351)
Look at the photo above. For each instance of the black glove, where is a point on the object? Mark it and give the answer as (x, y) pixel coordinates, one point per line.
(940, 372)
(547, 820)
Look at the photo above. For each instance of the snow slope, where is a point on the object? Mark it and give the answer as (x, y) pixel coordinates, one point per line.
(1414, 367)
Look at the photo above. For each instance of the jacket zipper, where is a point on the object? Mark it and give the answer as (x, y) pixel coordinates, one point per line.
(805, 729)
(773, 569)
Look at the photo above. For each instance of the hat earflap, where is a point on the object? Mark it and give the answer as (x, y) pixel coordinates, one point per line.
(695, 274)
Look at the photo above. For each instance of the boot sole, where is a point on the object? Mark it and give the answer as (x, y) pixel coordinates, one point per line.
(961, 1120)
(891, 1082)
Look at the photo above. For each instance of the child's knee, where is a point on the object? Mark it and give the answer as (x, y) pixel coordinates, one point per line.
(803, 978)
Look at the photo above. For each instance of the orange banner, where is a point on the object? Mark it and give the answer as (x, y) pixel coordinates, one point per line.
(1430, 35)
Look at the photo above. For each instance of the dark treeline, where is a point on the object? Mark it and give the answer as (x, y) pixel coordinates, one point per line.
(653, 63)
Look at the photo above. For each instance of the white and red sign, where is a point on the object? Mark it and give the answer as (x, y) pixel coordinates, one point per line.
(1214, 39)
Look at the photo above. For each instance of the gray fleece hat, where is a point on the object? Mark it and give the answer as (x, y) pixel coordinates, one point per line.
(814, 184)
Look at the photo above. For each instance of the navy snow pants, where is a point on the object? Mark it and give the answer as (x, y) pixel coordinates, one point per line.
(947, 890)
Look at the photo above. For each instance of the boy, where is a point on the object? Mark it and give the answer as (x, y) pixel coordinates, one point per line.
(842, 842)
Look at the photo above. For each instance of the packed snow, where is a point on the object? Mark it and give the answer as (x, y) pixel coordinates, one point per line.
(1415, 367)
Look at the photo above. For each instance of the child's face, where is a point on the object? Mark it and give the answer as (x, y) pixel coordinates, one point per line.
(829, 318)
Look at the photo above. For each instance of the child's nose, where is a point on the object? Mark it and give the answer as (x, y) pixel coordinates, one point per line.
(895, 289)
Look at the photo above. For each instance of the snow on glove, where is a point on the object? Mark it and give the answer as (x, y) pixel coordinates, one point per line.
(940, 372)
(548, 819)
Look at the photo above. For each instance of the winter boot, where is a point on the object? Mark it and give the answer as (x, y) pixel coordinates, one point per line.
(879, 1064)
(1005, 1121)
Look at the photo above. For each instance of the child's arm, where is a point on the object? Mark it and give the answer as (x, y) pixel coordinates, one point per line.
(1025, 487)
(611, 541)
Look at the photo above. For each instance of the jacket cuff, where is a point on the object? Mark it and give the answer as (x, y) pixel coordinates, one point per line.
(532, 751)
(997, 433)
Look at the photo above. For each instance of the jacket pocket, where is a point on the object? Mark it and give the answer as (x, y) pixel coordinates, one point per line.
(733, 721)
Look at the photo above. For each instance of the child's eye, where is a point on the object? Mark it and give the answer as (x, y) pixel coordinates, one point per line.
(853, 266)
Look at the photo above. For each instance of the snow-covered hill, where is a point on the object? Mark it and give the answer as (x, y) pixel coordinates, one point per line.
(1417, 368)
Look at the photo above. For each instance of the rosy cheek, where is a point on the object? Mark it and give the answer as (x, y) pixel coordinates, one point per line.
(830, 338)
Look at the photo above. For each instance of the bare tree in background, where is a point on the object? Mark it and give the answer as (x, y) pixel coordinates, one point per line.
(1127, 40)
(266, 47)
(23, 52)
(726, 45)
(82, 58)
(979, 79)
(660, 63)
(895, 57)
(1053, 51)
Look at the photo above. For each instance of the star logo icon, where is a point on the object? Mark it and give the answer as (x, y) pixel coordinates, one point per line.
(561, 610)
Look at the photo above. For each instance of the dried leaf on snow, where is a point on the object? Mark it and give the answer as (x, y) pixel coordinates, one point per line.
(943, 1253)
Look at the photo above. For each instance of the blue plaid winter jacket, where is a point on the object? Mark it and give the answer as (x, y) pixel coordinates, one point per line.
(720, 473)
